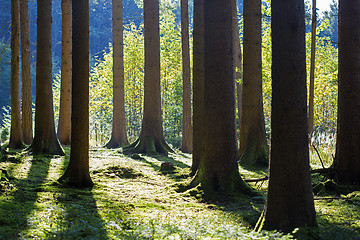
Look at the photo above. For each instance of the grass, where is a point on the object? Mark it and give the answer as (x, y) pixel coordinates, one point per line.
(133, 199)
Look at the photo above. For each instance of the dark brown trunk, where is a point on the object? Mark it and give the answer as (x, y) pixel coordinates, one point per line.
(151, 138)
(77, 173)
(15, 130)
(186, 145)
(312, 70)
(45, 140)
(118, 134)
(253, 146)
(198, 83)
(218, 170)
(290, 201)
(347, 163)
(64, 127)
(27, 120)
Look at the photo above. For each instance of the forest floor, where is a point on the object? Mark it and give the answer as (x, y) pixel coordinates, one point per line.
(132, 199)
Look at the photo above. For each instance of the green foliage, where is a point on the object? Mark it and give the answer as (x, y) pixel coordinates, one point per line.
(171, 83)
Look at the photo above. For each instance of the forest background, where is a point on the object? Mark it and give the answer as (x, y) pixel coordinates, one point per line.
(171, 67)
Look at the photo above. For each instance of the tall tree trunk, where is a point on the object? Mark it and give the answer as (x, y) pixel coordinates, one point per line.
(27, 120)
(253, 146)
(218, 170)
(290, 201)
(198, 83)
(118, 134)
(151, 138)
(312, 70)
(186, 145)
(64, 127)
(77, 173)
(347, 162)
(237, 59)
(15, 130)
(45, 140)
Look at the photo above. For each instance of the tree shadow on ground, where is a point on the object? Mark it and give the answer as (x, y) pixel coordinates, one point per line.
(16, 207)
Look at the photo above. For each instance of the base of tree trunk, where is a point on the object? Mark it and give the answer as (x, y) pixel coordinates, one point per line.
(148, 145)
(116, 143)
(74, 179)
(214, 189)
(50, 148)
(15, 145)
(254, 155)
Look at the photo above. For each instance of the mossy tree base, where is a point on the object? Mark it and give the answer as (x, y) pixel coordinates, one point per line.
(18, 145)
(72, 179)
(46, 148)
(254, 155)
(116, 143)
(216, 188)
(148, 145)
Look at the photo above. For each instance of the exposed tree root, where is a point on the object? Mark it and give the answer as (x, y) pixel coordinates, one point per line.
(75, 180)
(148, 145)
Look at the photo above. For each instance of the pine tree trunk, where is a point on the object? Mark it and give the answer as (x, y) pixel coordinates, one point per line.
(151, 140)
(186, 145)
(312, 70)
(77, 173)
(290, 201)
(347, 162)
(15, 130)
(198, 83)
(27, 120)
(64, 127)
(45, 140)
(118, 134)
(253, 146)
(218, 170)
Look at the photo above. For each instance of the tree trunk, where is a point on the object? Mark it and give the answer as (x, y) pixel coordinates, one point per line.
(186, 145)
(151, 139)
(290, 201)
(27, 120)
(198, 83)
(15, 130)
(312, 70)
(118, 134)
(253, 146)
(64, 127)
(238, 68)
(45, 140)
(77, 173)
(218, 170)
(347, 162)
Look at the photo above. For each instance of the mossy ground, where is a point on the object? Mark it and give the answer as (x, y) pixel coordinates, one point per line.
(133, 199)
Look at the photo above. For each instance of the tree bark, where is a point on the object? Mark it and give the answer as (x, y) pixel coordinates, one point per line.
(312, 71)
(253, 145)
(186, 145)
(347, 160)
(290, 201)
(118, 133)
(27, 119)
(77, 173)
(151, 139)
(15, 141)
(198, 83)
(218, 169)
(64, 127)
(45, 140)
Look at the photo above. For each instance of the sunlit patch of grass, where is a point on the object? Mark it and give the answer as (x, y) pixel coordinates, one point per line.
(133, 199)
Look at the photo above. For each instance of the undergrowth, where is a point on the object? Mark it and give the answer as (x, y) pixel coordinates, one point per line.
(133, 199)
